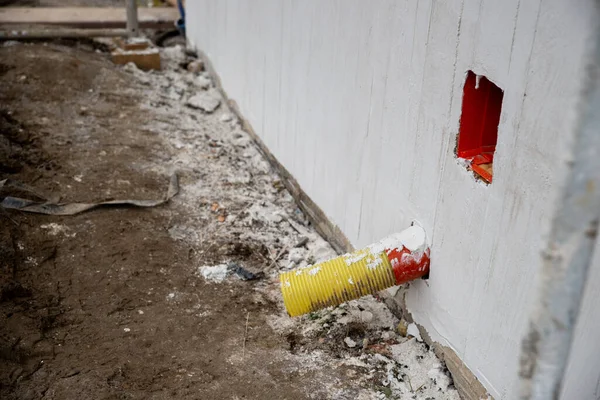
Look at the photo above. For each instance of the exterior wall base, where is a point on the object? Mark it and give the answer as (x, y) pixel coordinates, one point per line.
(467, 384)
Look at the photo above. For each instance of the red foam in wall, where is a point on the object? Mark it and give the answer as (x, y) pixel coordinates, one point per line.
(482, 104)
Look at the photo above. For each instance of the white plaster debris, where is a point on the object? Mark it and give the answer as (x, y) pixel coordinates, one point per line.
(296, 255)
(144, 51)
(265, 215)
(406, 360)
(413, 238)
(205, 101)
(215, 273)
(352, 258)
(10, 43)
(55, 229)
(203, 82)
(314, 271)
(31, 261)
(226, 117)
(374, 262)
(426, 373)
(172, 57)
(413, 331)
(195, 66)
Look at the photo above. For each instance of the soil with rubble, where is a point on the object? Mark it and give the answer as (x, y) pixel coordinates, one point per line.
(140, 303)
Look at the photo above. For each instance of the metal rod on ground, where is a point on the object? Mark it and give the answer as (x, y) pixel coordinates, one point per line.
(568, 253)
(62, 34)
(132, 19)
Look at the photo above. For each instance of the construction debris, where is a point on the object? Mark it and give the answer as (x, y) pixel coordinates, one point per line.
(205, 101)
(215, 273)
(111, 266)
(243, 273)
(196, 66)
(139, 51)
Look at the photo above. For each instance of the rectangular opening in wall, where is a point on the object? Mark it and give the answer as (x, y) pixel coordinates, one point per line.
(480, 116)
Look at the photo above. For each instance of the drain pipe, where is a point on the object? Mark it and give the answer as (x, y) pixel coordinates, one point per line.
(395, 260)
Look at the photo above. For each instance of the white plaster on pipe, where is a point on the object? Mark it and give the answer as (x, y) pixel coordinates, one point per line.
(413, 238)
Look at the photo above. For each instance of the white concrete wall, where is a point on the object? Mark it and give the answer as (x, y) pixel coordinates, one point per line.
(583, 370)
(361, 102)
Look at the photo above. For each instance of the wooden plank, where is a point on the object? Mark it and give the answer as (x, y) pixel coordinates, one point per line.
(144, 59)
(88, 17)
(60, 33)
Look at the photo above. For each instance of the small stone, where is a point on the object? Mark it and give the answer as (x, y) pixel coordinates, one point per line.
(226, 117)
(140, 312)
(296, 255)
(350, 343)
(366, 316)
(205, 101)
(130, 67)
(274, 217)
(402, 328)
(388, 335)
(323, 252)
(203, 82)
(196, 66)
(303, 241)
(290, 266)
(127, 329)
(216, 273)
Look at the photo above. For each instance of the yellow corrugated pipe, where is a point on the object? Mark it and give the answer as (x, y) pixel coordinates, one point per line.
(395, 260)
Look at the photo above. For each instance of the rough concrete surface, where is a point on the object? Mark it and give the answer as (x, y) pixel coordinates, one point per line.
(138, 303)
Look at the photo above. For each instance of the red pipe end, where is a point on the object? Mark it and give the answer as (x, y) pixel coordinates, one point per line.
(408, 265)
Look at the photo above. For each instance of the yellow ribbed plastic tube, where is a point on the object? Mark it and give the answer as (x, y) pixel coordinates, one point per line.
(333, 282)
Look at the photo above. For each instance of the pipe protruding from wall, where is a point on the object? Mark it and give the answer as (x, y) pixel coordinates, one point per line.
(395, 260)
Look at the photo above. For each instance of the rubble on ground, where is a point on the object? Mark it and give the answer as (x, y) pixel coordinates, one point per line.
(362, 334)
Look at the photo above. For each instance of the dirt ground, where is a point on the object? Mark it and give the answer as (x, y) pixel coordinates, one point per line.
(120, 303)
